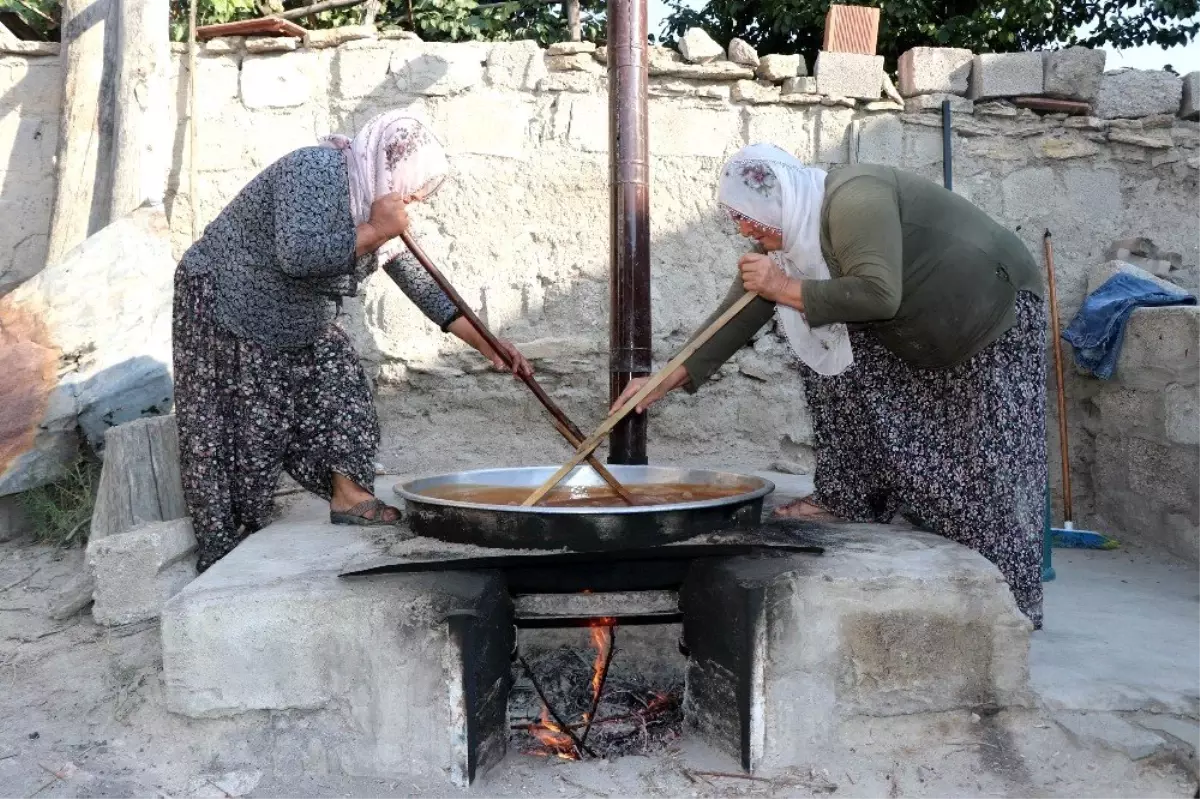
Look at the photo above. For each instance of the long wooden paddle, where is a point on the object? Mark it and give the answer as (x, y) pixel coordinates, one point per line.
(562, 423)
(585, 449)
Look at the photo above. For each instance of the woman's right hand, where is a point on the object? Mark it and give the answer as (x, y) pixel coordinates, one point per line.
(388, 216)
(676, 379)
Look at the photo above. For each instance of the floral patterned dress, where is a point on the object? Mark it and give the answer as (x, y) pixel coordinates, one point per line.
(266, 382)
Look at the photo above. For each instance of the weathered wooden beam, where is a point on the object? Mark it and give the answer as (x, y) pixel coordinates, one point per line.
(141, 134)
(87, 97)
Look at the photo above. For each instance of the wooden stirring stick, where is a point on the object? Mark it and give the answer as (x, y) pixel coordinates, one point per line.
(585, 449)
(564, 425)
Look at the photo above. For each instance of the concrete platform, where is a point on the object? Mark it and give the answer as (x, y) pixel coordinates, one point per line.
(889, 622)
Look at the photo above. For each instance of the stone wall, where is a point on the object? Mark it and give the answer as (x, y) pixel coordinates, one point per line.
(522, 228)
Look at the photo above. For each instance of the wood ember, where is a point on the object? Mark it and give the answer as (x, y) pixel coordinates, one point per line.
(633, 717)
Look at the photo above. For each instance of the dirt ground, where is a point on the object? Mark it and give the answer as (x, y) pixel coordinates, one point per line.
(81, 715)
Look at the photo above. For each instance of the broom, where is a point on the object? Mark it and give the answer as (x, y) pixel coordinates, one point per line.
(1066, 536)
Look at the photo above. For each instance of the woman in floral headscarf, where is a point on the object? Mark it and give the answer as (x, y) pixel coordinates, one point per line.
(921, 328)
(266, 381)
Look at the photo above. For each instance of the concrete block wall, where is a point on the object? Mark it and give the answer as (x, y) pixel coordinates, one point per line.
(522, 227)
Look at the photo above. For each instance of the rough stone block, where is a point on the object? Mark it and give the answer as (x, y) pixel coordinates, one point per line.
(801, 85)
(274, 82)
(1189, 108)
(1073, 73)
(36, 85)
(697, 47)
(1182, 405)
(271, 627)
(14, 523)
(683, 130)
(880, 140)
(1111, 732)
(1132, 93)
(579, 62)
(1006, 75)
(270, 44)
(1160, 347)
(516, 65)
(933, 102)
(853, 75)
(740, 52)
(749, 91)
(793, 130)
(833, 135)
(935, 70)
(359, 70)
(336, 37)
(887, 623)
(778, 68)
(223, 45)
(138, 571)
(30, 49)
(570, 48)
(438, 69)
(505, 135)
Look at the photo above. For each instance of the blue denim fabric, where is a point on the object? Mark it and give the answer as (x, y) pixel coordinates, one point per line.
(1097, 331)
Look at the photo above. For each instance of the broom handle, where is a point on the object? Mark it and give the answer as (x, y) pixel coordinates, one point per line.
(1063, 442)
(651, 384)
(564, 425)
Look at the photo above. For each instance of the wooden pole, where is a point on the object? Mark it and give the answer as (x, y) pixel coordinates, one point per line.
(648, 388)
(141, 134)
(193, 146)
(1063, 442)
(85, 23)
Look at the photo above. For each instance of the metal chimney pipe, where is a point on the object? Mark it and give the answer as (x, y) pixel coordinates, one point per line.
(629, 224)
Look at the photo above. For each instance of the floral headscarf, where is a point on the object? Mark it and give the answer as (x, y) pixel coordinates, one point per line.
(767, 186)
(394, 152)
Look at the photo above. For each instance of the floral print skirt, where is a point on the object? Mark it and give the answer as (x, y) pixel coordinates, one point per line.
(246, 414)
(960, 452)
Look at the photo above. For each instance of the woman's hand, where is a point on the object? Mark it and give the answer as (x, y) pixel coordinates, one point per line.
(762, 276)
(466, 331)
(520, 367)
(676, 379)
(388, 216)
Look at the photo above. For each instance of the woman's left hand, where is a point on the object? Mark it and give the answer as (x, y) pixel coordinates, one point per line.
(520, 367)
(762, 276)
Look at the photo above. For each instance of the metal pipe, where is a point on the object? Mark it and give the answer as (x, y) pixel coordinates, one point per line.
(947, 150)
(629, 225)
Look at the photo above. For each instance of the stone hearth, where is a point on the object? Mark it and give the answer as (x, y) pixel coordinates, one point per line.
(367, 675)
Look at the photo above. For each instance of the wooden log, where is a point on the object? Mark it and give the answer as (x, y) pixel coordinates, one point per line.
(87, 89)
(140, 481)
(142, 132)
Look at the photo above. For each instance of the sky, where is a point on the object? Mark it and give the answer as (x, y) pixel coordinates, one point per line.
(1183, 59)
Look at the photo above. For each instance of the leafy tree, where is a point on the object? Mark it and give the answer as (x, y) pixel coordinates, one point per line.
(797, 26)
(432, 20)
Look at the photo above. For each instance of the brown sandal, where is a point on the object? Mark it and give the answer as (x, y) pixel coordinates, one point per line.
(368, 513)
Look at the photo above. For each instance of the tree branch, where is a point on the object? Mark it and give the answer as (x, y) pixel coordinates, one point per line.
(316, 8)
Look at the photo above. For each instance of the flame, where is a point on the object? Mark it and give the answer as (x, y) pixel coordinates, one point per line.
(552, 736)
(601, 631)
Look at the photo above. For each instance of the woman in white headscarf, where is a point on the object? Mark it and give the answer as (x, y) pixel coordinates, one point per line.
(266, 381)
(921, 328)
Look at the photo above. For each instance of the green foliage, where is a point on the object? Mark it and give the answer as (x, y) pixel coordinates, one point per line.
(468, 20)
(797, 26)
(433, 20)
(61, 513)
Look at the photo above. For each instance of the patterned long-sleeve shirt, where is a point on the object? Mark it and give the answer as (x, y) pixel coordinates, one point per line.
(282, 252)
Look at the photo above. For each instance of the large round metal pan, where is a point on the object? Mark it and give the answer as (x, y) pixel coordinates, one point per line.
(581, 529)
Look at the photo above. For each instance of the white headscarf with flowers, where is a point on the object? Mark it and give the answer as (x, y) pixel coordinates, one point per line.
(768, 187)
(394, 152)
